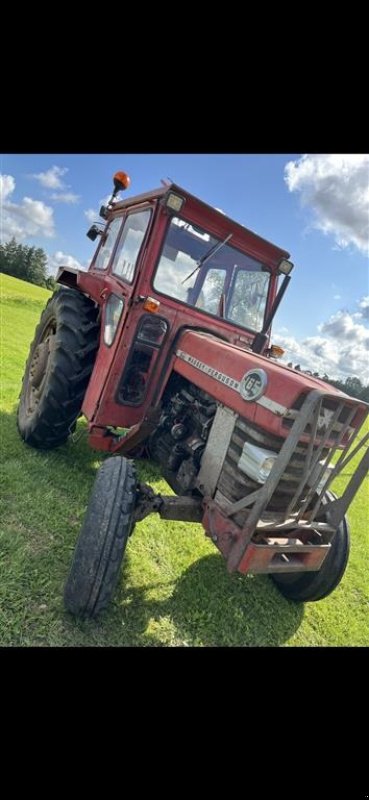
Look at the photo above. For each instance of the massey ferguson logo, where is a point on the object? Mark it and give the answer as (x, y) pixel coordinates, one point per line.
(251, 387)
(253, 384)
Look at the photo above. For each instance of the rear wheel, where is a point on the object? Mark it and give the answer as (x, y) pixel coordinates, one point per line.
(100, 548)
(58, 369)
(311, 586)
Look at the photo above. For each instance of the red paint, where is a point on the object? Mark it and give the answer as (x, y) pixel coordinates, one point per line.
(232, 357)
(284, 385)
(100, 406)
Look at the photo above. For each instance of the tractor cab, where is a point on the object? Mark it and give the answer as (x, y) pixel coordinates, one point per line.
(166, 262)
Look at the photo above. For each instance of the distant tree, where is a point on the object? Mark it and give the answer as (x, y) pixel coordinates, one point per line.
(10, 258)
(24, 262)
(354, 386)
(297, 366)
(365, 394)
(51, 283)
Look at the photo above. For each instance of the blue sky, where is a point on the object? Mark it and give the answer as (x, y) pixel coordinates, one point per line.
(316, 207)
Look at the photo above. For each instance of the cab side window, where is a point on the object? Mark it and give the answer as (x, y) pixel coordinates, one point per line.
(132, 236)
(107, 245)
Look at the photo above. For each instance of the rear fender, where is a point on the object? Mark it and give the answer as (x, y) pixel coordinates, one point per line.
(67, 276)
(93, 286)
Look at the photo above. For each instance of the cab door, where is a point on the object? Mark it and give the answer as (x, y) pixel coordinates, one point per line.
(118, 257)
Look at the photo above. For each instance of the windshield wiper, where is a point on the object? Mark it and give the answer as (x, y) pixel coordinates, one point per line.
(208, 255)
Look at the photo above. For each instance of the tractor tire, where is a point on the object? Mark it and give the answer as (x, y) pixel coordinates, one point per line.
(311, 586)
(100, 548)
(58, 369)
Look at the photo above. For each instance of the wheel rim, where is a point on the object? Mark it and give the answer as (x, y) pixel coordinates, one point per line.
(39, 368)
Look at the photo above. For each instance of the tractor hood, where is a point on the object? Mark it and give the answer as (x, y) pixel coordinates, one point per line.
(256, 387)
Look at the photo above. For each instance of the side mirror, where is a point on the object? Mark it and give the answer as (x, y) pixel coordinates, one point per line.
(94, 232)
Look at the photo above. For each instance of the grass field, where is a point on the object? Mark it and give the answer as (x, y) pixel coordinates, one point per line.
(174, 588)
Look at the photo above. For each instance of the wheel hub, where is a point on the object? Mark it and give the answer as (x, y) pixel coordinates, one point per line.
(39, 364)
(38, 370)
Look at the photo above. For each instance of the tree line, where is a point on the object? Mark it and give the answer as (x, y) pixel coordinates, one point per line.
(352, 386)
(26, 263)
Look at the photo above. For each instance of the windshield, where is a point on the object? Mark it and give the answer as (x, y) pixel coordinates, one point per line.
(229, 284)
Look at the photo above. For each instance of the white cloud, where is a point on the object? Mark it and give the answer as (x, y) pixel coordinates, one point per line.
(336, 187)
(91, 215)
(364, 305)
(327, 357)
(51, 179)
(7, 186)
(341, 349)
(65, 197)
(342, 327)
(60, 259)
(336, 297)
(28, 218)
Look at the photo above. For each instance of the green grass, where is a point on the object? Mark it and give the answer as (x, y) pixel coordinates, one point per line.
(174, 589)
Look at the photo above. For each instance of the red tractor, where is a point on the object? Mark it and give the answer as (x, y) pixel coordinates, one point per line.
(164, 346)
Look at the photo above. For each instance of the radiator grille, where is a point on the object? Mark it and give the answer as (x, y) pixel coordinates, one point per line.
(331, 426)
(234, 484)
(328, 409)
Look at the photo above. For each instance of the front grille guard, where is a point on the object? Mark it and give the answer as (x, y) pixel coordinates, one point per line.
(297, 515)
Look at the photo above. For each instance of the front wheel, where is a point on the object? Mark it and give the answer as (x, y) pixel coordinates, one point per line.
(100, 548)
(311, 586)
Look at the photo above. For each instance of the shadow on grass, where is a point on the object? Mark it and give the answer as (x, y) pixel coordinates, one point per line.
(76, 450)
(209, 607)
(205, 606)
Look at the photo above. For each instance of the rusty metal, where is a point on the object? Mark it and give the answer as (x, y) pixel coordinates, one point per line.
(273, 557)
(308, 468)
(278, 522)
(147, 502)
(337, 508)
(138, 433)
(216, 450)
(222, 531)
(261, 496)
(186, 509)
(303, 518)
(314, 485)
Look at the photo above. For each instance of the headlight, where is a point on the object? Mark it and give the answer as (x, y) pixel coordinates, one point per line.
(174, 201)
(113, 313)
(256, 462)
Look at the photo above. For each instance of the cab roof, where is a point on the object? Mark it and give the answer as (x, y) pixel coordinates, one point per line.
(223, 222)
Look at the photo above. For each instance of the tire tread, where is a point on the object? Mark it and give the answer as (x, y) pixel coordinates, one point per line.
(100, 548)
(76, 344)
